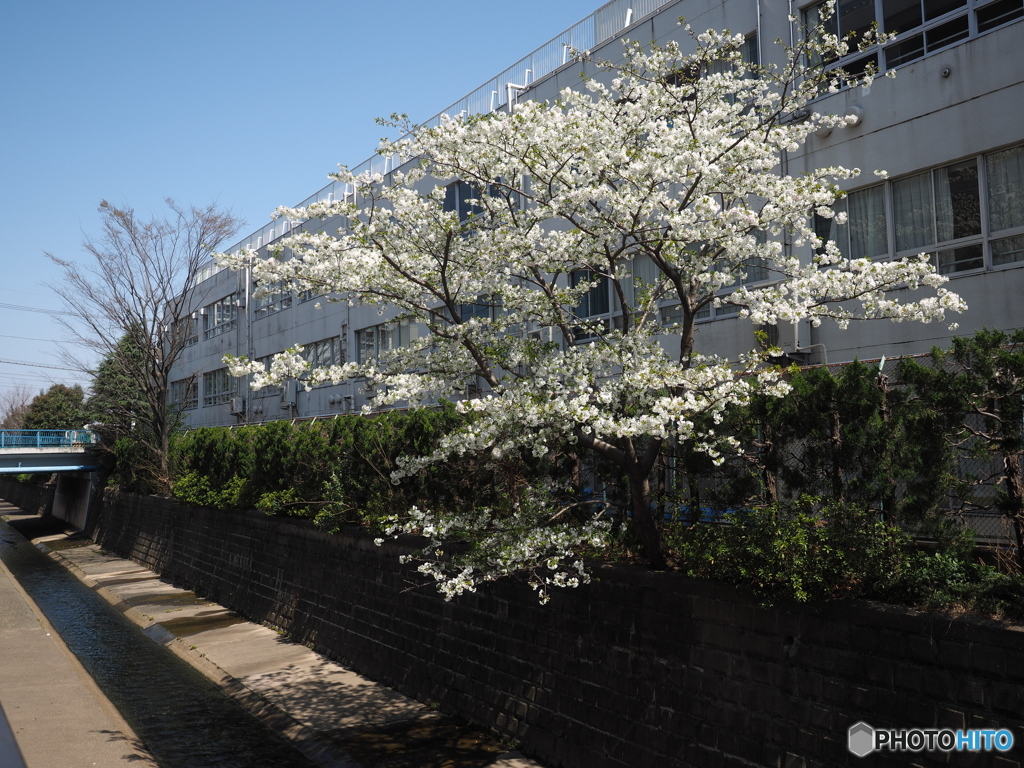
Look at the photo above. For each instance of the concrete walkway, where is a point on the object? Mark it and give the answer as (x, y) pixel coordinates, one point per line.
(335, 716)
(58, 716)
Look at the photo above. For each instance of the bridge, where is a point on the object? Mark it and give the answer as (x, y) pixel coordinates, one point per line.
(70, 453)
(47, 450)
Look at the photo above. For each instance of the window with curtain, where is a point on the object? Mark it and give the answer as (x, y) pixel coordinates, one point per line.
(866, 223)
(1005, 171)
(643, 275)
(952, 212)
(864, 235)
(219, 317)
(937, 207)
(912, 212)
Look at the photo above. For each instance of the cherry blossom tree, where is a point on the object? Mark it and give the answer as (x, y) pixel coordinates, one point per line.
(658, 184)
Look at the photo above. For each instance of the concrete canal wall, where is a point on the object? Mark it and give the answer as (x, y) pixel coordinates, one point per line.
(37, 499)
(638, 669)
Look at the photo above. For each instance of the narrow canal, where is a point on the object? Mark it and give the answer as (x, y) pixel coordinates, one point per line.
(181, 717)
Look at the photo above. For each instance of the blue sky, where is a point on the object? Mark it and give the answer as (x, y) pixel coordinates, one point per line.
(246, 104)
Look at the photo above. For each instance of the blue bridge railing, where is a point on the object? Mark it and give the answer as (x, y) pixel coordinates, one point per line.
(47, 438)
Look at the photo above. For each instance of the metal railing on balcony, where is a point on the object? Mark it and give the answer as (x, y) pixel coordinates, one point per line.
(602, 25)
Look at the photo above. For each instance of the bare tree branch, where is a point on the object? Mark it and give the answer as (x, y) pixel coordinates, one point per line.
(128, 304)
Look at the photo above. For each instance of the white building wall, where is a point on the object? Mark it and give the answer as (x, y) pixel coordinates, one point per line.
(958, 103)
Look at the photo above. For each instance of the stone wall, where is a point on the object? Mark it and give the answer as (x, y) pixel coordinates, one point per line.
(37, 499)
(638, 669)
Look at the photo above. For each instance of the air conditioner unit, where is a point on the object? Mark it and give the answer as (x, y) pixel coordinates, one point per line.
(289, 393)
(237, 406)
(794, 337)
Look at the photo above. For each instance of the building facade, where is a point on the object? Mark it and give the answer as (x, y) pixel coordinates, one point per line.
(949, 130)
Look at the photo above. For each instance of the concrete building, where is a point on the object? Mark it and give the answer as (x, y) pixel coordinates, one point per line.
(949, 129)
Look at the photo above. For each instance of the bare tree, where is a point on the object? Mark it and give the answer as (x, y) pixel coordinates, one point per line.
(14, 402)
(129, 306)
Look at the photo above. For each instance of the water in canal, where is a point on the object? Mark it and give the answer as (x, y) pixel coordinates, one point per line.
(180, 716)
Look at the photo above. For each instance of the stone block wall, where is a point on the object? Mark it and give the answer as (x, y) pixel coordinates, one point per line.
(638, 669)
(36, 499)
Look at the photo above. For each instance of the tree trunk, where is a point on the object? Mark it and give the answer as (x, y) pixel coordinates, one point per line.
(643, 521)
(1015, 491)
(769, 481)
(837, 464)
(637, 468)
(694, 488)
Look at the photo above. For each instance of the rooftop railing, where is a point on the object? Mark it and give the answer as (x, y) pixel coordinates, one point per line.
(599, 27)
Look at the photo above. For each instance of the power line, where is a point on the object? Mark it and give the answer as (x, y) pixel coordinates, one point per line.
(56, 312)
(38, 365)
(30, 338)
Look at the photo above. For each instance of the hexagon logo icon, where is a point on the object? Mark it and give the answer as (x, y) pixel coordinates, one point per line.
(861, 739)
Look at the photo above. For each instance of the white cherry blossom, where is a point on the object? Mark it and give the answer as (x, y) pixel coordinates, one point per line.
(675, 161)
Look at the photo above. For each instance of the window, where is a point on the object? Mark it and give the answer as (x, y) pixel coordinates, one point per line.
(275, 297)
(376, 340)
(185, 331)
(686, 79)
(673, 315)
(998, 13)
(594, 304)
(220, 316)
(457, 197)
(1006, 204)
(218, 387)
(903, 15)
(849, 17)
(753, 269)
(266, 362)
(920, 26)
(480, 308)
(643, 278)
(937, 207)
(750, 51)
(956, 213)
(183, 394)
(865, 233)
(324, 353)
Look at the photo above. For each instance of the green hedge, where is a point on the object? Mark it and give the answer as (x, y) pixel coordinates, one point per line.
(334, 471)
